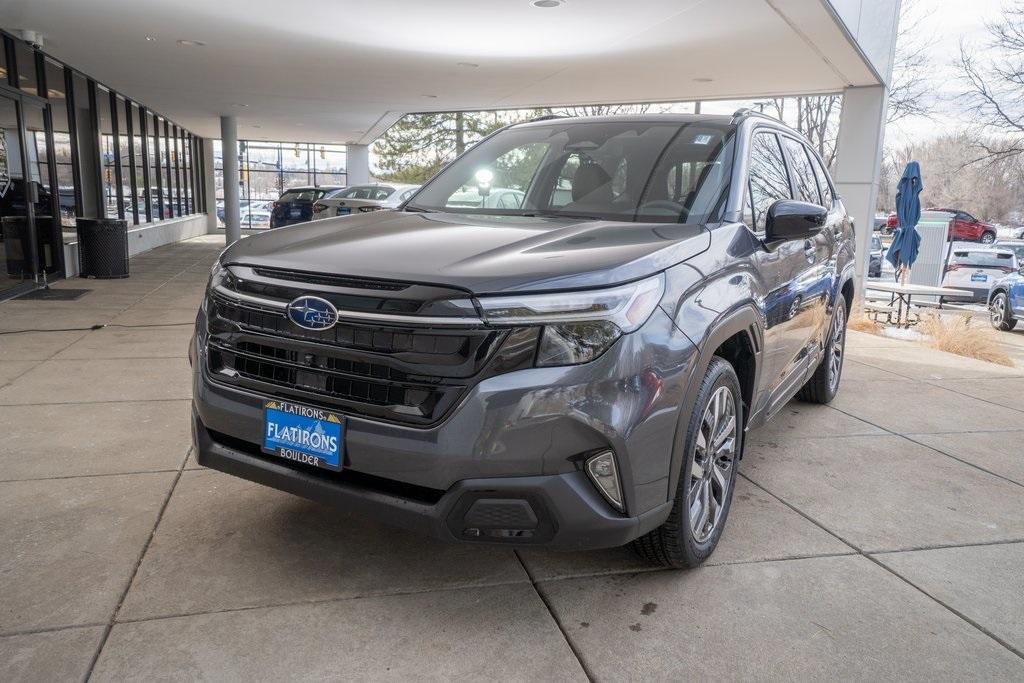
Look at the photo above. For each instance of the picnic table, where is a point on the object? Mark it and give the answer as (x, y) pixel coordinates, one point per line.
(902, 296)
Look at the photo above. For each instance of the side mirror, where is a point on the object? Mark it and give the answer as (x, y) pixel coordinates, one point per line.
(789, 219)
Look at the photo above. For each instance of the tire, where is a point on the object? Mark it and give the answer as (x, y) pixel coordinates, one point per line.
(719, 406)
(988, 237)
(1000, 314)
(823, 385)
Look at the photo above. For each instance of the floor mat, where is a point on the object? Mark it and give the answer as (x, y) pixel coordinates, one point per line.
(53, 294)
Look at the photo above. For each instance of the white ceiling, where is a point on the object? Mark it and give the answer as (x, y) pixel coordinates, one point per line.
(342, 71)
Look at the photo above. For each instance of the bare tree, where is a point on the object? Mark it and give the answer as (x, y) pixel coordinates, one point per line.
(993, 74)
(816, 117)
(911, 90)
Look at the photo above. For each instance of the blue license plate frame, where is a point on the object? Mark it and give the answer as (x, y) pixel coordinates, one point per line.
(304, 434)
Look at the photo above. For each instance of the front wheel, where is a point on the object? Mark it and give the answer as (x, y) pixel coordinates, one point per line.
(988, 238)
(823, 385)
(714, 439)
(999, 313)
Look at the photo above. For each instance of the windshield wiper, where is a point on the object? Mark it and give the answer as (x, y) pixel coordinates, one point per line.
(562, 214)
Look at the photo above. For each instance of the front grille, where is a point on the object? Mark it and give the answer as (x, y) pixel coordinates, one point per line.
(408, 374)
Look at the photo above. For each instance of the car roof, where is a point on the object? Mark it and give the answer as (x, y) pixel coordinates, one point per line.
(720, 119)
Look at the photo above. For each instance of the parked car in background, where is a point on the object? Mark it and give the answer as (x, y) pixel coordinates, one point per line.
(967, 228)
(256, 218)
(256, 206)
(976, 269)
(360, 199)
(875, 257)
(1006, 300)
(889, 225)
(296, 204)
(493, 198)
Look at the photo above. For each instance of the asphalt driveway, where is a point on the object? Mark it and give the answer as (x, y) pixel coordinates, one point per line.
(880, 537)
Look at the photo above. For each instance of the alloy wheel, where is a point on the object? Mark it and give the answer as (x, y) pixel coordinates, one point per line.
(713, 459)
(997, 309)
(835, 365)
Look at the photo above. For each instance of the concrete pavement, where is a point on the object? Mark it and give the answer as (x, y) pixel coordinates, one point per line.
(880, 537)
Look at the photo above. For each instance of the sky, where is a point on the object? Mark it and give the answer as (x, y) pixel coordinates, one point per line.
(943, 24)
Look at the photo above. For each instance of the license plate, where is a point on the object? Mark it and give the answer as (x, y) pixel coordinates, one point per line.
(295, 212)
(343, 211)
(979, 277)
(302, 434)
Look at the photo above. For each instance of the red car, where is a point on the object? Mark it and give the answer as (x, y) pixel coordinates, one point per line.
(967, 228)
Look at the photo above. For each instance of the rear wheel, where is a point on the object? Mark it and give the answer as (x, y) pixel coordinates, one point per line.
(823, 385)
(1000, 314)
(704, 493)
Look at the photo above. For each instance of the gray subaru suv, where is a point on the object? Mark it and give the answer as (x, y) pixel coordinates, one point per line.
(575, 366)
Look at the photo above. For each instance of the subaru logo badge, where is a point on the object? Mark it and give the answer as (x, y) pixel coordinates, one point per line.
(313, 313)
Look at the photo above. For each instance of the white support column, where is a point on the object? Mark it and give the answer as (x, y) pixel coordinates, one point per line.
(357, 164)
(858, 163)
(209, 187)
(229, 145)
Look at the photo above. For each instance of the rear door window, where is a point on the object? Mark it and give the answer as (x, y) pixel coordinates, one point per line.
(827, 196)
(804, 182)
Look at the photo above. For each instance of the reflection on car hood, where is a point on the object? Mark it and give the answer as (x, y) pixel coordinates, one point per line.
(482, 254)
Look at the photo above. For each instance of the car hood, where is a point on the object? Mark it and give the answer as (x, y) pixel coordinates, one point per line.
(481, 254)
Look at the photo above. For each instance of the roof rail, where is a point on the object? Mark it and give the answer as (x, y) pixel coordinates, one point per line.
(547, 117)
(747, 111)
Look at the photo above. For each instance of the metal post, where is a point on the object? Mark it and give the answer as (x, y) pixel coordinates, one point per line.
(229, 140)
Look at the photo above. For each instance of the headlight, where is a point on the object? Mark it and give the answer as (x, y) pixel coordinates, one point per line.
(579, 326)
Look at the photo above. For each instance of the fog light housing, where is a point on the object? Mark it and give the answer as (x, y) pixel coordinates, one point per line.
(604, 473)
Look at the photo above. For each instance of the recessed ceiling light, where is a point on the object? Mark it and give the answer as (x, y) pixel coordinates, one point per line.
(468, 65)
(150, 39)
(547, 3)
(239, 104)
(703, 80)
(191, 43)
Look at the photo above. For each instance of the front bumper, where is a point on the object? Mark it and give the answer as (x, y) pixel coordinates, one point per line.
(506, 465)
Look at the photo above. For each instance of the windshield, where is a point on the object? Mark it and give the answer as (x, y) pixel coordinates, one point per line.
(624, 170)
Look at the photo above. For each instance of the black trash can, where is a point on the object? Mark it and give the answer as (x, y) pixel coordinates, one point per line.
(102, 247)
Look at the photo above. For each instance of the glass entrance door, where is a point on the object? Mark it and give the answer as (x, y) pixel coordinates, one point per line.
(25, 199)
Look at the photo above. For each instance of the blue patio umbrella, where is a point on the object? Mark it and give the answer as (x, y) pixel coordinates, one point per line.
(905, 244)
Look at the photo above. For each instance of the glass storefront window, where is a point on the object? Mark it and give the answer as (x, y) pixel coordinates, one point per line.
(26, 67)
